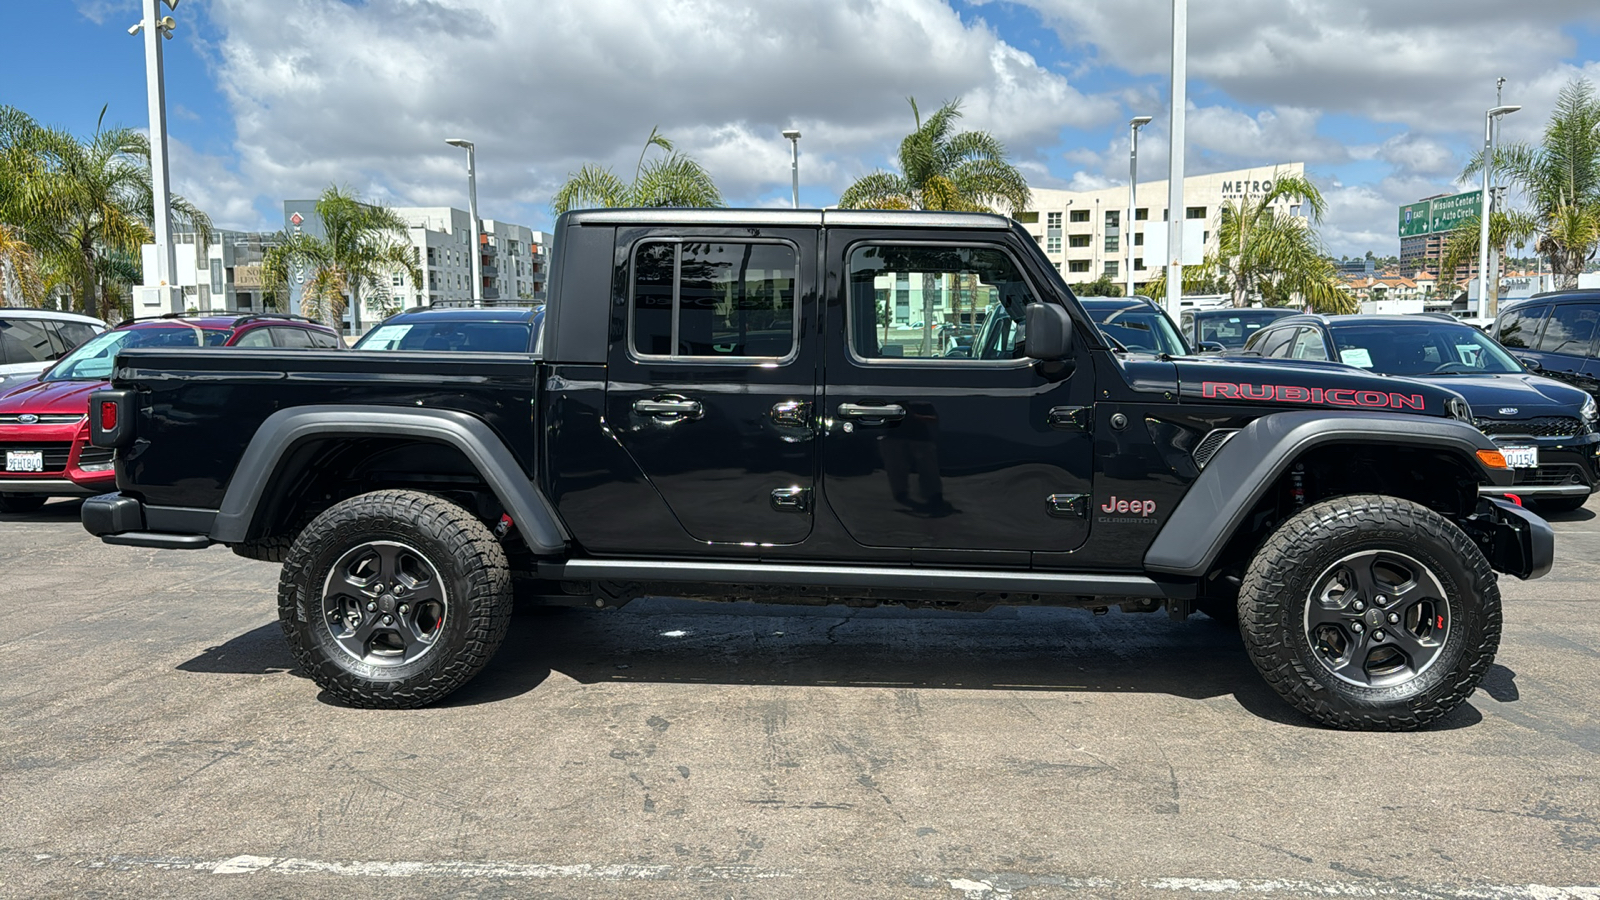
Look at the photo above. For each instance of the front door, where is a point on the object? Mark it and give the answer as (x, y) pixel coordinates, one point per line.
(941, 435)
(712, 388)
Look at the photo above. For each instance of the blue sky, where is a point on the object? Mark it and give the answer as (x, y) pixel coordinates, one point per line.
(272, 101)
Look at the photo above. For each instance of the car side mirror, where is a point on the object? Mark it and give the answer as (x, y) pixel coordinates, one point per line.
(1531, 363)
(1049, 331)
(1209, 347)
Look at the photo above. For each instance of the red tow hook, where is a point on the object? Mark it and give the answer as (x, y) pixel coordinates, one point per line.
(505, 525)
(1513, 498)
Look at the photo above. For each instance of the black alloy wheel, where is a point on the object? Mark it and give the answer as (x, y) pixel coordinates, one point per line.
(1370, 612)
(394, 599)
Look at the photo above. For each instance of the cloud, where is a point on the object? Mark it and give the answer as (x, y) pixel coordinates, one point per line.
(364, 94)
(100, 11)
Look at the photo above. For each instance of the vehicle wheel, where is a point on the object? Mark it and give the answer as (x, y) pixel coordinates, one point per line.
(1371, 612)
(21, 503)
(394, 599)
(1561, 504)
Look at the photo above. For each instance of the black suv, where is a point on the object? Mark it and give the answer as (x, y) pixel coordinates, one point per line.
(1555, 334)
(1549, 432)
(760, 404)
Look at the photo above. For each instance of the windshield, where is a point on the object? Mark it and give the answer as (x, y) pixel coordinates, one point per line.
(459, 337)
(93, 360)
(1420, 348)
(1142, 329)
(1234, 328)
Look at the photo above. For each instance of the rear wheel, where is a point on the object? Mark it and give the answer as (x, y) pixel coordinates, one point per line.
(21, 503)
(1371, 612)
(394, 599)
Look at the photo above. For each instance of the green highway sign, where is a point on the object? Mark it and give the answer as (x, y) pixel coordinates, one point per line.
(1438, 216)
(1414, 218)
(1447, 211)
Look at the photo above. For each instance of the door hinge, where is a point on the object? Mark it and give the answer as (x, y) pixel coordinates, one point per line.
(1071, 418)
(791, 499)
(1068, 506)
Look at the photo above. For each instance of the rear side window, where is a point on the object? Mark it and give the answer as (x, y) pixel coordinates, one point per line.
(1520, 327)
(75, 333)
(1570, 329)
(293, 338)
(1308, 344)
(26, 340)
(255, 339)
(324, 340)
(713, 299)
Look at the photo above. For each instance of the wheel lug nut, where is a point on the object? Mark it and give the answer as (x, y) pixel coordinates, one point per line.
(1380, 600)
(371, 607)
(1394, 619)
(1356, 627)
(388, 620)
(404, 609)
(1377, 635)
(1359, 606)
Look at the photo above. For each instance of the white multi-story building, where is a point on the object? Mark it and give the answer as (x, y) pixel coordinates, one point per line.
(1082, 231)
(222, 276)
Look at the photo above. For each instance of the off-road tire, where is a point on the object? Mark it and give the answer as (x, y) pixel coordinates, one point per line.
(470, 563)
(21, 503)
(274, 549)
(1278, 585)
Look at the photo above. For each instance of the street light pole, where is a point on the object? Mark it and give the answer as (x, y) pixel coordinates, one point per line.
(1175, 208)
(794, 146)
(1134, 124)
(472, 210)
(1488, 301)
(156, 29)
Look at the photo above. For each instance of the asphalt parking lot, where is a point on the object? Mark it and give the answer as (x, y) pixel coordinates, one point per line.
(156, 741)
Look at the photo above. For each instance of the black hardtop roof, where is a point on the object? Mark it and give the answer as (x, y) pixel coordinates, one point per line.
(1134, 302)
(814, 218)
(1591, 295)
(464, 314)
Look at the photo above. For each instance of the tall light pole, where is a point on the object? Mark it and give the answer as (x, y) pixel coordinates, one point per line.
(793, 135)
(1488, 302)
(156, 29)
(1175, 208)
(472, 210)
(1134, 124)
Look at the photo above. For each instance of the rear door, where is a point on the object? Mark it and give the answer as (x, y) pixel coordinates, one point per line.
(1566, 346)
(712, 387)
(949, 454)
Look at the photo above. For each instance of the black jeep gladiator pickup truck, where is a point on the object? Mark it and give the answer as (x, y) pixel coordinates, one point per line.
(827, 407)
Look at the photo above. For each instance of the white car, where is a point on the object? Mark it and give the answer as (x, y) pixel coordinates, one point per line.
(32, 339)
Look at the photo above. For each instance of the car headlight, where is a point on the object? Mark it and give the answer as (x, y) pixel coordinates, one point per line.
(1459, 410)
(1591, 412)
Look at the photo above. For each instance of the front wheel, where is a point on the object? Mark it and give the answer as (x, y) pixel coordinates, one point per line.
(1371, 612)
(394, 599)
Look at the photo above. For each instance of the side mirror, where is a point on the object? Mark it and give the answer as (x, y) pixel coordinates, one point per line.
(1049, 331)
(1210, 347)
(1531, 363)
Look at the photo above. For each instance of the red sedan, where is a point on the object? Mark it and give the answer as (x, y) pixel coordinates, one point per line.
(44, 425)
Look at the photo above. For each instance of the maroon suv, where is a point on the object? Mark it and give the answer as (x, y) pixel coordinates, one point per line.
(44, 425)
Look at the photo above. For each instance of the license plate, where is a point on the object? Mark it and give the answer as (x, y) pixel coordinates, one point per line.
(24, 460)
(1521, 457)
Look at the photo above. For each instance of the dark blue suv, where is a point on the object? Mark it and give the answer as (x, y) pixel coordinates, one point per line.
(499, 329)
(1554, 334)
(1549, 432)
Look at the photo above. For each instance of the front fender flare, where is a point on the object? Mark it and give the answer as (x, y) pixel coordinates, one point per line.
(1240, 473)
(536, 520)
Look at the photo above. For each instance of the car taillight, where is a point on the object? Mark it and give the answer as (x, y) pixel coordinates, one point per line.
(108, 415)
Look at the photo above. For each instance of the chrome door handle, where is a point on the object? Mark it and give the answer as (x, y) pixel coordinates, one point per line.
(889, 412)
(791, 413)
(669, 408)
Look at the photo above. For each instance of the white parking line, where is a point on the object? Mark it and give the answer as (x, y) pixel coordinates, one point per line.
(997, 887)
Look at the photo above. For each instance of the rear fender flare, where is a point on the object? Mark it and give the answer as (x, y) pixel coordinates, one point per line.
(535, 518)
(1241, 472)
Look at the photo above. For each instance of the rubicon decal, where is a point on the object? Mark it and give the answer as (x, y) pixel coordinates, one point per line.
(1293, 393)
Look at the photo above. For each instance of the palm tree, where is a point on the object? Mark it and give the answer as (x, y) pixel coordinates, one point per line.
(20, 281)
(79, 202)
(1461, 247)
(362, 245)
(966, 171)
(674, 180)
(942, 169)
(1560, 180)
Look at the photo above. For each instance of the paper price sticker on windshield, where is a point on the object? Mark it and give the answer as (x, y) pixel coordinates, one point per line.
(1356, 356)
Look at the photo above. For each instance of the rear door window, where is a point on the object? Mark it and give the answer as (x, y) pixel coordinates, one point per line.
(255, 339)
(324, 340)
(1570, 329)
(75, 333)
(712, 299)
(26, 340)
(1520, 327)
(293, 338)
(1308, 344)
